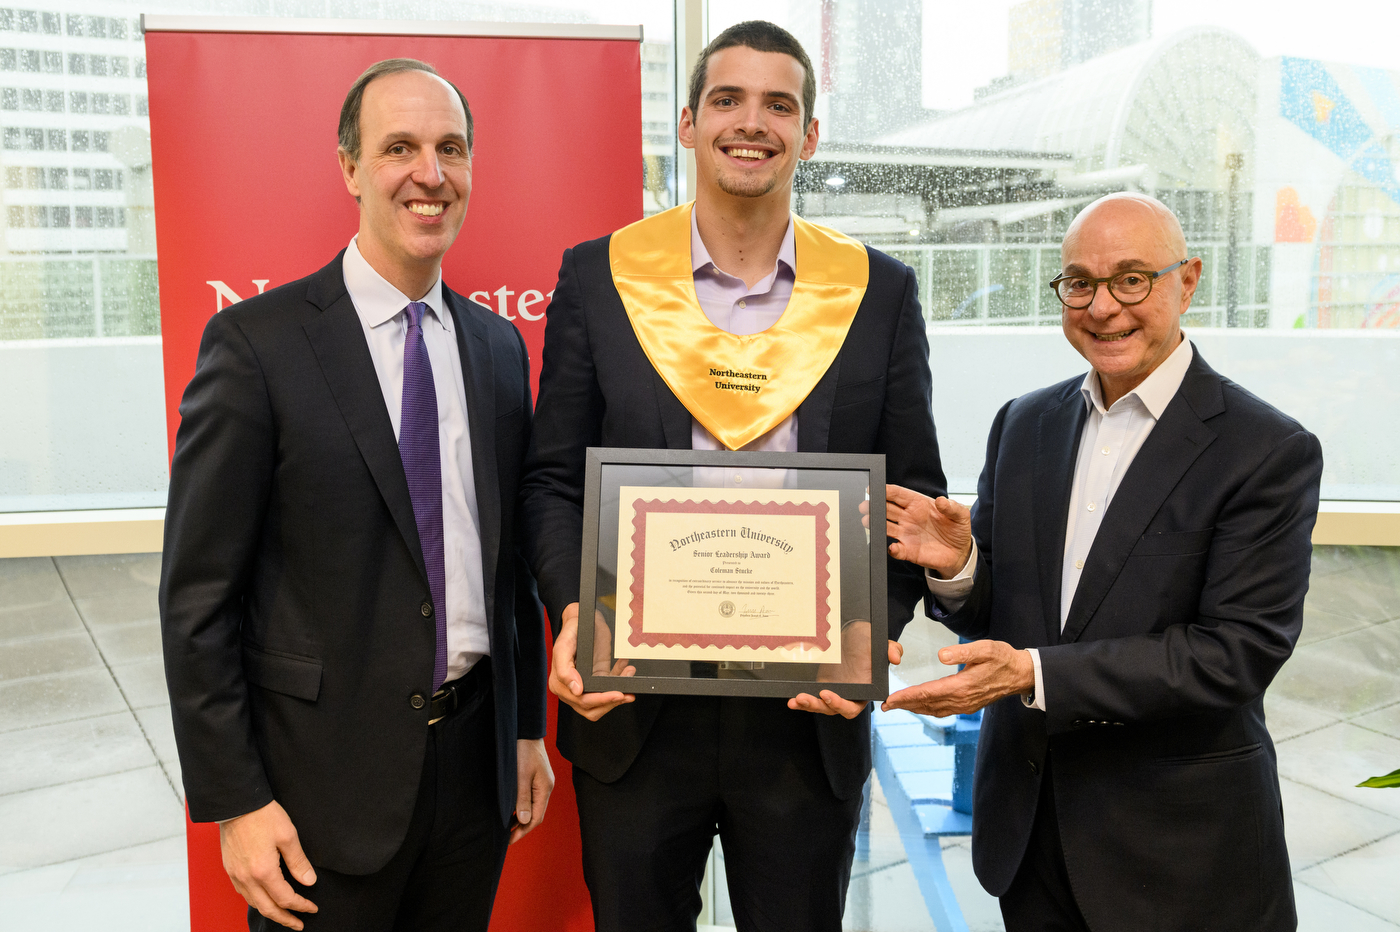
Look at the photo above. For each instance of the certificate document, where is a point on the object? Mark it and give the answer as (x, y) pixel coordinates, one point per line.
(721, 574)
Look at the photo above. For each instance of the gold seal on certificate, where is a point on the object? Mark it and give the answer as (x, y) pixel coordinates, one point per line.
(723, 575)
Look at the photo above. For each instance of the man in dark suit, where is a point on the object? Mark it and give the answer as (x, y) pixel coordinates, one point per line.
(658, 777)
(353, 647)
(1136, 563)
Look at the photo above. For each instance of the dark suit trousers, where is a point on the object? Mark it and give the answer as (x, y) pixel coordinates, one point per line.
(1041, 899)
(747, 769)
(443, 878)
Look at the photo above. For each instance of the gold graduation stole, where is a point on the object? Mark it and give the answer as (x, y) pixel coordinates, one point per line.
(738, 387)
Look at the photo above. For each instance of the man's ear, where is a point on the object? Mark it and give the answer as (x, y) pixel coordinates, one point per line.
(1190, 278)
(348, 171)
(685, 129)
(809, 142)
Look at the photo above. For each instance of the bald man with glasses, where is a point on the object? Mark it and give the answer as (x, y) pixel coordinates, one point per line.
(1131, 579)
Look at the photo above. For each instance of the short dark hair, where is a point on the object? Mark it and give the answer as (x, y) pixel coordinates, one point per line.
(761, 36)
(350, 110)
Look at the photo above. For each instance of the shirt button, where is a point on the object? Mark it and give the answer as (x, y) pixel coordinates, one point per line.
(426, 608)
(738, 480)
(417, 701)
(1105, 451)
(1079, 564)
(742, 305)
(1091, 506)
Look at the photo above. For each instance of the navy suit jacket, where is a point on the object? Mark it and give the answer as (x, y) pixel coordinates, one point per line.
(293, 581)
(1191, 599)
(597, 388)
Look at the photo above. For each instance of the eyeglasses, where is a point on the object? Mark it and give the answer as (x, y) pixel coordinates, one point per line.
(1133, 287)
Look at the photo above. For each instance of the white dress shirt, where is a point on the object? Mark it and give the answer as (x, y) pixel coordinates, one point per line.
(736, 308)
(380, 307)
(1108, 444)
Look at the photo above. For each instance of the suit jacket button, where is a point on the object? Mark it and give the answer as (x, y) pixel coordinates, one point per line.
(426, 608)
(416, 700)
(1035, 768)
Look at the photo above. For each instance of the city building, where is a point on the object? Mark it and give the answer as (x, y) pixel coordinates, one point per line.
(78, 246)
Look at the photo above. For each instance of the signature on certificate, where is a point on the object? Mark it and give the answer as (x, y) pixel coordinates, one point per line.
(762, 611)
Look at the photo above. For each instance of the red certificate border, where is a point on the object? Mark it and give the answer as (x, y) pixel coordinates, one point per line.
(637, 634)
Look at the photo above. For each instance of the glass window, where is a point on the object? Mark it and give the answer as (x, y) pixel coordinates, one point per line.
(968, 159)
(78, 259)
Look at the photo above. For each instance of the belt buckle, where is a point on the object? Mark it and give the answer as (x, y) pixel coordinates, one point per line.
(449, 693)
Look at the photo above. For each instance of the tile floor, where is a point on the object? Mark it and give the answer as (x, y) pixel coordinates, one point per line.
(84, 719)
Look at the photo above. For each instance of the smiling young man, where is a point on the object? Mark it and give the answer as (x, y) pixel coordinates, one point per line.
(353, 649)
(837, 331)
(1135, 566)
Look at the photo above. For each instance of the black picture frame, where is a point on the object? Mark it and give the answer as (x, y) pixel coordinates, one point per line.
(700, 682)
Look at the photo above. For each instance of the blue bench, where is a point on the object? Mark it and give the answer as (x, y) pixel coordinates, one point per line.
(925, 767)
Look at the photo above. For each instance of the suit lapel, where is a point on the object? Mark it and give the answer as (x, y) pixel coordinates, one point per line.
(1179, 438)
(338, 341)
(676, 419)
(814, 414)
(1056, 446)
(479, 380)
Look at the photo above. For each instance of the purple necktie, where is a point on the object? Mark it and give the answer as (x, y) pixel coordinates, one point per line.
(422, 466)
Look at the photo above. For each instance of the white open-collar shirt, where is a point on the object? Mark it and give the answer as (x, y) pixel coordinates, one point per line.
(1108, 444)
(380, 307)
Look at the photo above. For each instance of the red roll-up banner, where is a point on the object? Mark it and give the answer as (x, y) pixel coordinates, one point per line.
(248, 196)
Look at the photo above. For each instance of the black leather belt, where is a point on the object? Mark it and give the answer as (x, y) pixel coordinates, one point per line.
(461, 691)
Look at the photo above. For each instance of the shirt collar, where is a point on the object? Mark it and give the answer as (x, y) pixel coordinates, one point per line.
(376, 300)
(700, 256)
(1155, 392)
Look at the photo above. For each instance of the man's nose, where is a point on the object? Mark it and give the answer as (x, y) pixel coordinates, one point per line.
(1104, 305)
(427, 171)
(752, 119)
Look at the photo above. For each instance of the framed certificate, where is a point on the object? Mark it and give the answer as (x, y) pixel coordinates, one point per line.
(724, 573)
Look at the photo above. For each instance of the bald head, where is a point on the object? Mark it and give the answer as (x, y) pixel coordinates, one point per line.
(1152, 222)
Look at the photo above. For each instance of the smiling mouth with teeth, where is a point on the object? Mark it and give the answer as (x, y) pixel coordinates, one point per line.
(1113, 337)
(750, 155)
(426, 210)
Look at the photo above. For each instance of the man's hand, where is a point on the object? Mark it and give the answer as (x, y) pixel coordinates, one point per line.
(828, 703)
(994, 669)
(254, 846)
(564, 679)
(534, 781)
(935, 533)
